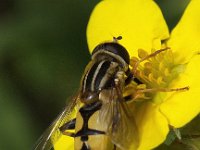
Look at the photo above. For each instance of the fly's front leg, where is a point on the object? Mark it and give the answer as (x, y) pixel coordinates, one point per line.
(135, 66)
(162, 90)
(140, 93)
(120, 81)
(130, 77)
(64, 129)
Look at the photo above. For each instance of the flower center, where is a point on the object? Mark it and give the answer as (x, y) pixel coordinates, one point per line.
(156, 71)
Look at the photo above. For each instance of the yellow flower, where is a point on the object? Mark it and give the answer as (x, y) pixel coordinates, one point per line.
(142, 26)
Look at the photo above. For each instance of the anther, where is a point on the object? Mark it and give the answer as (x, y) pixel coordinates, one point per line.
(147, 57)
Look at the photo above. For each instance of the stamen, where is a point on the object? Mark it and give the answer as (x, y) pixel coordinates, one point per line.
(156, 70)
(160, 80)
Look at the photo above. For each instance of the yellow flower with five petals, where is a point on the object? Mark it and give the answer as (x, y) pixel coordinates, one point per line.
(142, 26)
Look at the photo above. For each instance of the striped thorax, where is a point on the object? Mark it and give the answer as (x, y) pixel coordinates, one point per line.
(107, 60)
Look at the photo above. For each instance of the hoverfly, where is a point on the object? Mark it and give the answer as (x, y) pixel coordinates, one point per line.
(101, 110)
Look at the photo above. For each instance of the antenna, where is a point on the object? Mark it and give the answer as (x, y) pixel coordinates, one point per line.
(116, 39)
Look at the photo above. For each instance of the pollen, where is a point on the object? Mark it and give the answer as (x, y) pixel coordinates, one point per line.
(155, 70)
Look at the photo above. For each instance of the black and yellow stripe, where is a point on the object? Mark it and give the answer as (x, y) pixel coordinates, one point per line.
(108, 59)
(100, 76)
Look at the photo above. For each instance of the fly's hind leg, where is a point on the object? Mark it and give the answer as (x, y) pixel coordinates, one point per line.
(65, 128)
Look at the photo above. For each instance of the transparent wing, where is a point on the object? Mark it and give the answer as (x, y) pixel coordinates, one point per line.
(117, 120)
(52, 134)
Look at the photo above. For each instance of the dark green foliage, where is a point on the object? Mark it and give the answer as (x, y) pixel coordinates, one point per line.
(43, 52)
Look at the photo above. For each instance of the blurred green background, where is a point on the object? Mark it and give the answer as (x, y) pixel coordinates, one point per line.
(43, 52)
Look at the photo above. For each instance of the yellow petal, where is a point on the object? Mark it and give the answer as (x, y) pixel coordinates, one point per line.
(185, 38)
(152, 125)
(139, 22)
(64, 143)
(183, 106)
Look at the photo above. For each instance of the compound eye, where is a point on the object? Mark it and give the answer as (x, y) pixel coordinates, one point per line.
(89, 97)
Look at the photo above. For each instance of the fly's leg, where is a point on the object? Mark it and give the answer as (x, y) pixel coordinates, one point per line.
(140, 92)
(161, 90)
(64, 129)
(147, 57)
(130, 77)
